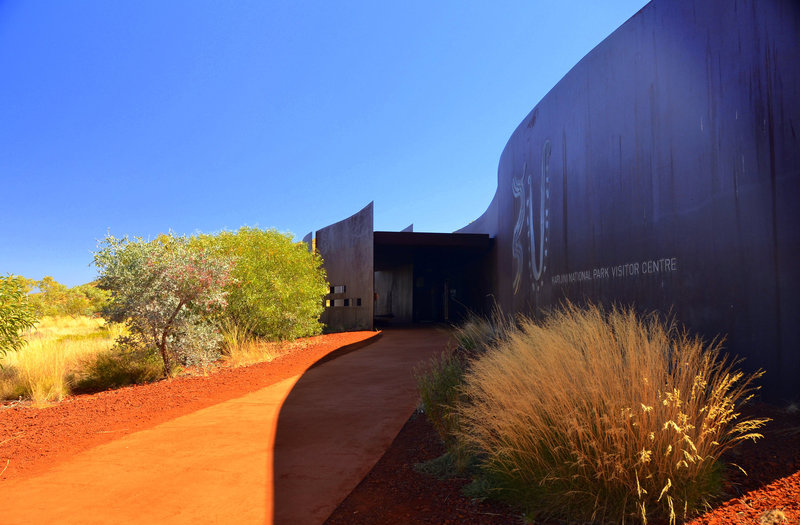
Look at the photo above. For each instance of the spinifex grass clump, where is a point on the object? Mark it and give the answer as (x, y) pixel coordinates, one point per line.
(477, 333)
(604, 416)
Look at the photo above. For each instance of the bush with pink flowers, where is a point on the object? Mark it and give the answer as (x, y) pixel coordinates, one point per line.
(168, 293)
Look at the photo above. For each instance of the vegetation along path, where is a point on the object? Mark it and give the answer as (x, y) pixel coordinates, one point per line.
(287, 453)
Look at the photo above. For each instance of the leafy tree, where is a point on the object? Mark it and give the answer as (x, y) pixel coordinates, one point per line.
(51, 298)
(280, 286)
(54, 298)
(95, 299)
(166, 292)
(16, 312)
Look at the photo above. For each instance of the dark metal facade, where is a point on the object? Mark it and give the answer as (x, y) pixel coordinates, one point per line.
(663, 171)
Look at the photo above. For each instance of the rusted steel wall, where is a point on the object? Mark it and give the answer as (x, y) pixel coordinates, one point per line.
(663, 171)
(347, 251)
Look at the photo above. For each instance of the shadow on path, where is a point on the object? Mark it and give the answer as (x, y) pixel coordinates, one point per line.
(340, 418)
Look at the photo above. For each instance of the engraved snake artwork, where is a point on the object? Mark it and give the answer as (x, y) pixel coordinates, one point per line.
(538, 256)
(518, 189)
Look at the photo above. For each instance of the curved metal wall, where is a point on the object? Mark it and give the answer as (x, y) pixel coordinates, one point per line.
(664, 171)
(347, 250)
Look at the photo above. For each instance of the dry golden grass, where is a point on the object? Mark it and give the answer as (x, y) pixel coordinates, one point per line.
(476, 332)
(241, 348)
(604, 416)
(57, 349)
(54, 327)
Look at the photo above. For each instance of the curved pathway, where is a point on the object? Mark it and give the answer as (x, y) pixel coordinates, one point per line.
(289, 453)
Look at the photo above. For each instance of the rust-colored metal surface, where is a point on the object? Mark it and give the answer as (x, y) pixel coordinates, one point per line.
(347, 251)
(663, 171)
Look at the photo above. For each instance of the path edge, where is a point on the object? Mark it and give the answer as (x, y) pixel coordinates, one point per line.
(346, 349)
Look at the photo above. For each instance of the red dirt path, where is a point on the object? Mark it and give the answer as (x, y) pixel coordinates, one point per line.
(32, 440)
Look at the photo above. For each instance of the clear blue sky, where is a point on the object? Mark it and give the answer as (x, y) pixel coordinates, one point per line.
(149, 116)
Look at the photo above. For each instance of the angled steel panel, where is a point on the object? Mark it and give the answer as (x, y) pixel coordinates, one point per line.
(347, 252)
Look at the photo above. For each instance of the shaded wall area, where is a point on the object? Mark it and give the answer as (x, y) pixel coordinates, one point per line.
(663, 171)
(394, 293)
(346, 248)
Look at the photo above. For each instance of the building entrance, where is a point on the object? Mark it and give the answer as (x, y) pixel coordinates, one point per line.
(428, 277)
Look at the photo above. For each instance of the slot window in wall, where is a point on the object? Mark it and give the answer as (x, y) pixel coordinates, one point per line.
(342, 302)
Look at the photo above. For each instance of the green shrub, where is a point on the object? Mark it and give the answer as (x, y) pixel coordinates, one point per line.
(197, 343)
(448, 465)
(96, 299)
(603, 416)
(438, 386)
(16, 313)
(55, 299)
(439, 383)
(279, 285)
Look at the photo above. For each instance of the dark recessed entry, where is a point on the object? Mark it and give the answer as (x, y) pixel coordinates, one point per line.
(429, 277)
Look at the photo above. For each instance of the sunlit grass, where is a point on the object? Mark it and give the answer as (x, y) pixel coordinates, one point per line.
(604, 416)
(54, 327)
(56, 351)
(63, 354)
(241, 348)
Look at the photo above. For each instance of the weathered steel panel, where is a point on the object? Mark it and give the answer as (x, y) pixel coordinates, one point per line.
(347, 252)
(663, 171)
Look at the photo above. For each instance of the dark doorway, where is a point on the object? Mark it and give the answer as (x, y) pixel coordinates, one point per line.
(429, 277)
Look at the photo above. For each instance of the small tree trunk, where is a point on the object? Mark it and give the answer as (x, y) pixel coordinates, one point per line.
(162, 348)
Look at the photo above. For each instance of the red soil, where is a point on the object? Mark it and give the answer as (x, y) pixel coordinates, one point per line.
(31, 439)
(394, 492)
